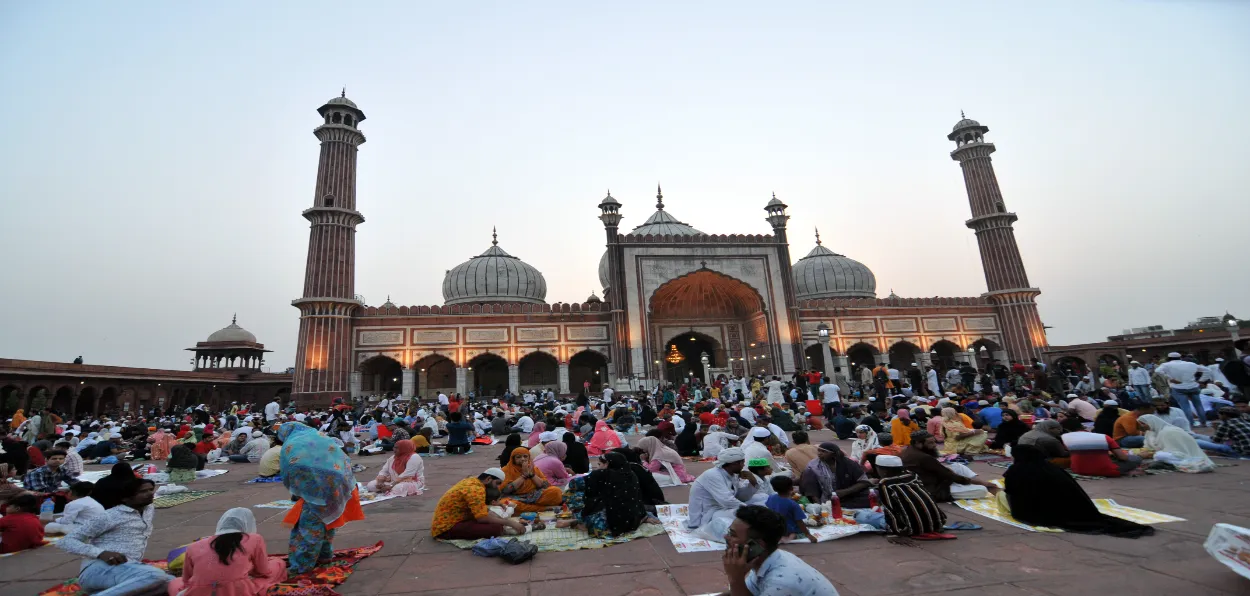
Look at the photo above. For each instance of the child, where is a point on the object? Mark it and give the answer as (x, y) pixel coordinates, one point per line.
(505, 508)
(81, 507)
(20, 528)
(788, 509)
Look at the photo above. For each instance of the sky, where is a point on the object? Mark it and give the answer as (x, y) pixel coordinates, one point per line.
(160, 155)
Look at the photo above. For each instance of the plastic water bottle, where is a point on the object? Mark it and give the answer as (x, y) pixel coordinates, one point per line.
(45, 510)
(873, 503)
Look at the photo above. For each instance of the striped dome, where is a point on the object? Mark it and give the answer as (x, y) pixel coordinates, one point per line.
(826, 274)
(494, 276)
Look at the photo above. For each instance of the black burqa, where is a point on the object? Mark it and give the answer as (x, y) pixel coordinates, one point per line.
(512, 442)
(648, 415)
(575, 457)
(1009, 431)
(650, 489)
(1042, 494)
(687, 443)
(110, 490)
(615, 491)
(1104, 422)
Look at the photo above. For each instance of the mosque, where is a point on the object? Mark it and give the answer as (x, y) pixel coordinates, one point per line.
(676, 302)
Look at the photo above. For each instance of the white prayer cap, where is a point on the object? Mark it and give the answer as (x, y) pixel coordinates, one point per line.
(870, 398)
(1174, 354)
(1133, 362)
(951, 394)
(257, 434)
(546, 436)
(889, 461)
(729, 456)
(1110, 402)
(913, 364)
(1219, 359)
(760, 432)
(496, 472)
(1071, 396)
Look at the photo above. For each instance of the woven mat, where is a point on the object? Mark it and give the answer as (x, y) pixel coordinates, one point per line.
(319, 581)
(167, 501)
(564, 539)
(989, 508)
(686, 541)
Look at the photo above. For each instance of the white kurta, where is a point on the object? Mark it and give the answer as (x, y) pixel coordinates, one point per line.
(716, 492)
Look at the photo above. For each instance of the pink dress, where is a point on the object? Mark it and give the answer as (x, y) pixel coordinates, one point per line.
(553, 469)
(250, 572)
(656, 467)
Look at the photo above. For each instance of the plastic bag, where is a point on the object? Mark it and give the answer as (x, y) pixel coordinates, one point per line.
(517, 552)
(491, 547)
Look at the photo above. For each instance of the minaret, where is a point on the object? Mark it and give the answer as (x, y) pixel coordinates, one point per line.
(610, 215)
(323, 359)
(1005, 277)
(777, 218)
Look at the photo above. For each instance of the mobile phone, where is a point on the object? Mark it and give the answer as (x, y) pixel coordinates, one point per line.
(754, 550)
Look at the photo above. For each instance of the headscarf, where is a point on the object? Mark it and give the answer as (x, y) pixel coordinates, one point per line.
(1163, 437)
(536, 435)
(575, 456)
(512, 471)
(656, 450)
(904, 414)
(509, 444)
(859, 446)
(1104, 422)
(667, 429)
(1009, 430)
(1041, 494)
(108, 490)
(615, 491)
(651, 492)
(686, 442)
(605, 439)
(404, 448)
(315, 470)
(238, 519)
(555, 449)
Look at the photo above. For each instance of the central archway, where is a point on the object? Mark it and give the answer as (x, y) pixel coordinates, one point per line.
(487, 375)
(708, 312)
(538, 370)
(381, 375)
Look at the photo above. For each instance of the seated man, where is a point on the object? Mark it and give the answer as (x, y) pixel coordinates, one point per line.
(1096, 454)
(1125, 431)
(459, 433)
(908, 508)
(719, 492)
(1234, 427)
(944, 482)
(754, 564)
(20, 528)
(462, 512)
(113, 544)
(833, 473)
(1045, 436)
(47, 479)
(80, 509)
(253, 450)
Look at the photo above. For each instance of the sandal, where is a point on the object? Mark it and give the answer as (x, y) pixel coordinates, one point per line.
(934, 536)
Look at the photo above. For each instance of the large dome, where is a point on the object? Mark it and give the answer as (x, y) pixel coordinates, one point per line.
(494, 276)
(826, 274)
(232, 333)
(604, 274)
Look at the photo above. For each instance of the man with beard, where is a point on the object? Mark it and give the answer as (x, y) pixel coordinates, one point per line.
(944, 483)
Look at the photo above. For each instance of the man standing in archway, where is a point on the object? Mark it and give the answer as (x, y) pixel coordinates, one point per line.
(774, 391)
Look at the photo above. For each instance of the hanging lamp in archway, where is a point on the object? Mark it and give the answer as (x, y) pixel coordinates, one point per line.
(674, 357)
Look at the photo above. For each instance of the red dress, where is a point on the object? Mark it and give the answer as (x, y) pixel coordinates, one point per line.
(250, 572)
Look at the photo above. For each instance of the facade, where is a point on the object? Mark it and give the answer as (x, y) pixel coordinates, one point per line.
(677, 302)
(227, 369)
(1207, 338)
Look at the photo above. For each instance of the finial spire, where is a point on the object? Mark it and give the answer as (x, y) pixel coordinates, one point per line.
(494, 236)
(817, 236)
(961, 115)
(234, 319)
(344, 92)
(659, 197)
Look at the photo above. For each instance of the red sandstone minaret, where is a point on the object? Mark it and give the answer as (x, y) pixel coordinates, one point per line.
(1005, 277)
(323, 360)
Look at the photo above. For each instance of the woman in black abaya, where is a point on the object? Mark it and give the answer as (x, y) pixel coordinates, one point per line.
(1040, 493)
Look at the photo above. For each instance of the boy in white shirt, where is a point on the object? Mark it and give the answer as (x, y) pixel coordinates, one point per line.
(81, 507)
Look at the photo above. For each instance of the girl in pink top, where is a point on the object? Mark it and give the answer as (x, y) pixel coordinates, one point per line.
(231, 563)
(551, 462)
(663, 462)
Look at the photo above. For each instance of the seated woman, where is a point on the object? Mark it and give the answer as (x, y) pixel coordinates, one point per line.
(687, 442)
(403, 473)
(865, 440)
(551, 463)
(958, 437)
(1039, 493)
(233, 562)
(604, 440)
(182, 465)
(1009, 430)
(652, 495)
(608, 501)
(527, 485)
(1174, 446)
(575, 456)
(663, 462)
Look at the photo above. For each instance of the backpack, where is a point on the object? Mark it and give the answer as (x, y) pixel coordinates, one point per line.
(1236, 372)
(881, 375)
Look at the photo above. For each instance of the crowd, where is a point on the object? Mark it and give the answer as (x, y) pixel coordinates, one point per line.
(912, 435)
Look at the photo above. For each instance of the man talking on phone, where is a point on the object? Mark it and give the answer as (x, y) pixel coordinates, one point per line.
(756, 567)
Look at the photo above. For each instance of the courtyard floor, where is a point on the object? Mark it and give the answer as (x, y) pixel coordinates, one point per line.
(998, 560)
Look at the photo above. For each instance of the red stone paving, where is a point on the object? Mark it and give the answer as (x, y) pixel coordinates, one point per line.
(999, 560)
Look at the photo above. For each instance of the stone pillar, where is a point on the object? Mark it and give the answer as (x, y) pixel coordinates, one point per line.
(410, 381)
(514, 378)
(355, 384)
(462, 377)
(826, 357)
(423, 382)
(924, 359)
(845, 363)
(564, 378)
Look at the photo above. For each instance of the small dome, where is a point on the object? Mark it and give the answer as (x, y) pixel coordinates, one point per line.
(494, 276)
(609, 201)
(232, 333)
(966, 123)
(604, 273)
(826, 274)
(593, 298)
(342, 101)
